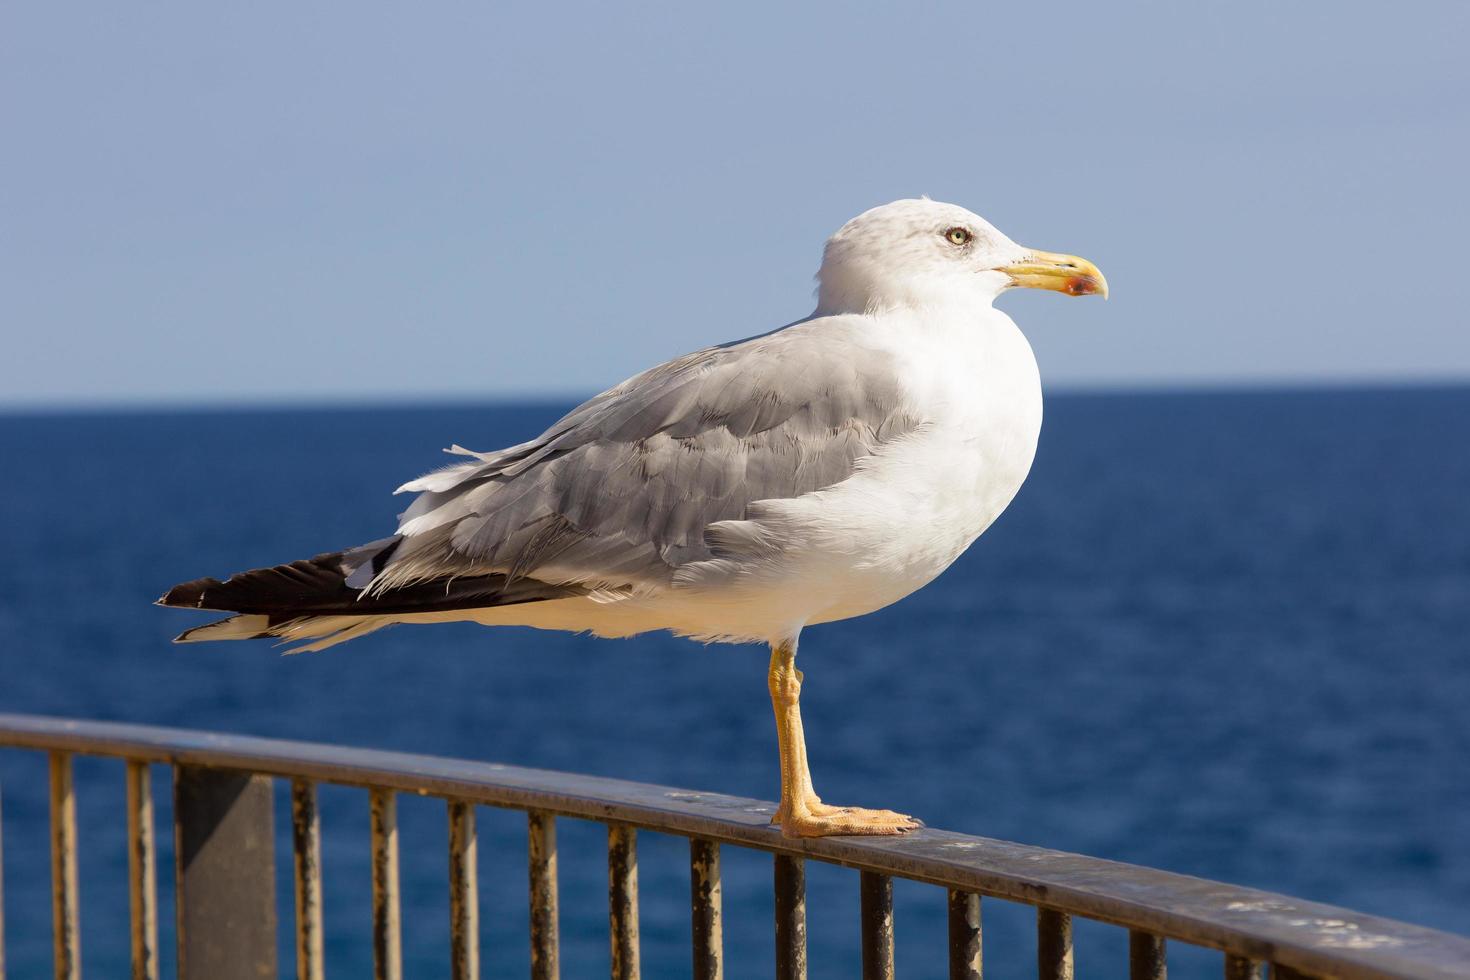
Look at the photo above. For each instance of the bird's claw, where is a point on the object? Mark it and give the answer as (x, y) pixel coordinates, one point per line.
(817, 819)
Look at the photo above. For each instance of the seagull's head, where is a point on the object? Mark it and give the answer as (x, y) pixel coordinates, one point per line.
(927, 253)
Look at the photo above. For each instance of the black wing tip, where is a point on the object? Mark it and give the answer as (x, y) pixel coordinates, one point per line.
(188, 595)
(318, 587)
(274, 588)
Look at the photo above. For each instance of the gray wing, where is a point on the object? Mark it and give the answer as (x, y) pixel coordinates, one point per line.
(622, 491)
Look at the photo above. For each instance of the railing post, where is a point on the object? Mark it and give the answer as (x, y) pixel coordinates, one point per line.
(387, 938)
(1241, 968)
(306, 844)
(622, 900)
(64, 903)
(965, 949)
(1053, 945)
(464, 893)
(226, 885)
(790, 873)
(142, 872)
(877, 928)
(541, 861)
(706, 909)
(1147, 958)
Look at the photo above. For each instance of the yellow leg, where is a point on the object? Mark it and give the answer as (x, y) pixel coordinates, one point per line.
(802, 813)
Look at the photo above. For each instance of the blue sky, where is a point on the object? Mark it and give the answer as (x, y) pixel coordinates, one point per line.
(365, 201)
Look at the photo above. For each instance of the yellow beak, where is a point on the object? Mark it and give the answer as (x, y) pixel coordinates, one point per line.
(1063, 273)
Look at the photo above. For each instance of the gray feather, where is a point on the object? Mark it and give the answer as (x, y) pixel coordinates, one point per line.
(624, 489)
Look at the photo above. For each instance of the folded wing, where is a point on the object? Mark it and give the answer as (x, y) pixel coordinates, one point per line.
(621, 492)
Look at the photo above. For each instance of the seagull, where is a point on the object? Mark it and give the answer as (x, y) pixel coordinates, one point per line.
(738, 494)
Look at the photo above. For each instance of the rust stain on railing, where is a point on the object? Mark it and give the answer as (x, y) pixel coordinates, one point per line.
(545, 913)
(706, 904)
(306, 839)
(622, 900)
(464, 893)
(965, 959)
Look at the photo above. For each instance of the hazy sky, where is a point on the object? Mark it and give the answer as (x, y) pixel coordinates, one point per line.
(305, 201)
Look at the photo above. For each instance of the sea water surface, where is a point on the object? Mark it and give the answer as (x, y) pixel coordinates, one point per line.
(1226, 634)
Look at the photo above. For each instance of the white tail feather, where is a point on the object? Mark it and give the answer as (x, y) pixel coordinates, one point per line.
(234, 628)
(328, 630)
(323, 631)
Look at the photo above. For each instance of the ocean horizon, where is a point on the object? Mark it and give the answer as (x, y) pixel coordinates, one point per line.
(562, 400)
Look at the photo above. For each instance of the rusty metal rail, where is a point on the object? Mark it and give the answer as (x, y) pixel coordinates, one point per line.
(223, 817)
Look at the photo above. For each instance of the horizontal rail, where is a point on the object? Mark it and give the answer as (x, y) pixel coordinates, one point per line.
(1248, 924)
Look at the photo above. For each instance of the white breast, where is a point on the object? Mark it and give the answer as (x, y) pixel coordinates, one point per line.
(913, 508)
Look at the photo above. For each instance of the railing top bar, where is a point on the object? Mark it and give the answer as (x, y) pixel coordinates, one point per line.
(1310, 937)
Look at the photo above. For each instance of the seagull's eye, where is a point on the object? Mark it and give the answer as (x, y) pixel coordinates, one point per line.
(958, 236)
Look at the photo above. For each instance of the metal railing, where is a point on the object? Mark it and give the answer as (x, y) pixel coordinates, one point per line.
(226, 891)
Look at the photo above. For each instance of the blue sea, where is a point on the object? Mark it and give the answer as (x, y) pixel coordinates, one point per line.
(1226, 634)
